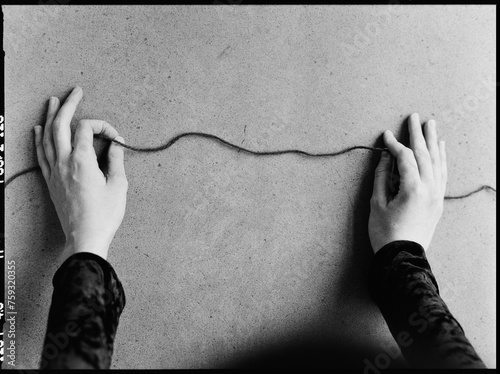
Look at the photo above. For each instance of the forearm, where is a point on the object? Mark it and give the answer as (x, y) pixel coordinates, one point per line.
(87, 302)
(407, 294)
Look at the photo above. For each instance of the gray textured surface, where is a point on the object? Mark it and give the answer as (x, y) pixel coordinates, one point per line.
(221, 253)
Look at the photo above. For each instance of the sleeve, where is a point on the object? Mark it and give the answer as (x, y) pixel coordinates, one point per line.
(404, 288)
(87, 302)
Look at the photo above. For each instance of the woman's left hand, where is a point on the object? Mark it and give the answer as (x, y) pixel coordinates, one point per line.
(90, 205)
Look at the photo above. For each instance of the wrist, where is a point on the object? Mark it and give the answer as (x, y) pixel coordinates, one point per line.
(96, 246)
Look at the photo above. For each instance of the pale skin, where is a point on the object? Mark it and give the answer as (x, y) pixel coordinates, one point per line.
(91, 205)
(414, 212)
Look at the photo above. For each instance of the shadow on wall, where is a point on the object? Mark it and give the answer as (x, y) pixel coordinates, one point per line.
(307, 349)
(308, 352)
(36, 254)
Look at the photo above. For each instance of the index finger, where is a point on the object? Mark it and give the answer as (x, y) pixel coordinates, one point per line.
(419, 148)
(61, 130)
(407, 165)
(87, 128)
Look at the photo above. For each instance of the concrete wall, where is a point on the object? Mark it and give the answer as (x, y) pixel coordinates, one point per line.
(223, 254)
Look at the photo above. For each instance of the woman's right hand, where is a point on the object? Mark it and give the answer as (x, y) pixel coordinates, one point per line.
(414, 212)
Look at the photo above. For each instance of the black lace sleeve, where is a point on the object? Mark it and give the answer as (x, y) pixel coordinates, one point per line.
(87, 302)
(403, 286)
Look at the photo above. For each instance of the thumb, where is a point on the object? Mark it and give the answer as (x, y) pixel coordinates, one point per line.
(382, 177)
(116, 166)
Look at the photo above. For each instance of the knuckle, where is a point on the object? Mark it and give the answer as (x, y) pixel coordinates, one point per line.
(79, 158)
(380, 172)
(106, 125)
(375, 202)
(416, 189)
(403, 152)
(61, 168)
(406, 154)
(56, 123)
(114, 155)
(421, 153)
(82, 123)
(436, 164)
(81, 149)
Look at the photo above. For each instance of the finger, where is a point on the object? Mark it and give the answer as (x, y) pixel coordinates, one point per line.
(48, 141)
(116, 166)
(419, 148)
(407, 165)
(444, 167)
(61, 126)
(85, 131)
(40, 153)
(383, 171)
(431, 140)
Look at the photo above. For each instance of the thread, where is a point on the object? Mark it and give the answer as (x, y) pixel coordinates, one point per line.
(25, 171)
(483, 187)
(239, 148)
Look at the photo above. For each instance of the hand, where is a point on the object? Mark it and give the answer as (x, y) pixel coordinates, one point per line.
(414, 212)
(89, 204)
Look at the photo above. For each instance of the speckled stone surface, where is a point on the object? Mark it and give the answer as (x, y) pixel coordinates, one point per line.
(224, 255)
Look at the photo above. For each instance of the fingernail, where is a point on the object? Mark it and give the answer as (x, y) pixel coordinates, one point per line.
(120, 139)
